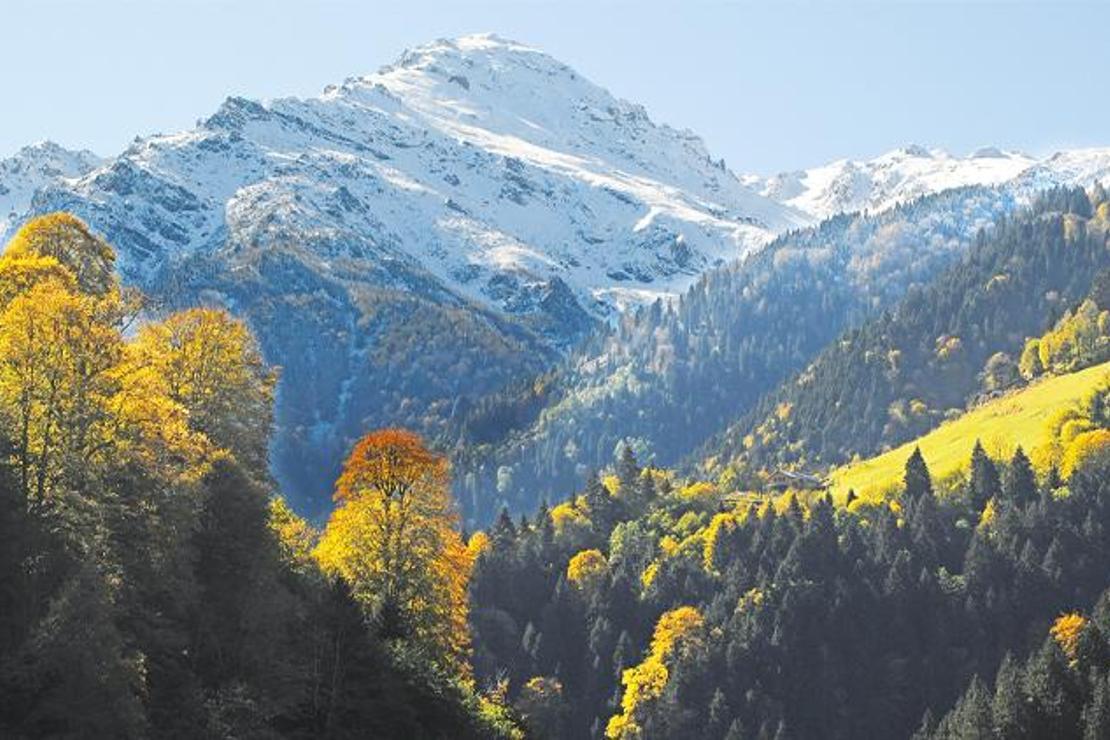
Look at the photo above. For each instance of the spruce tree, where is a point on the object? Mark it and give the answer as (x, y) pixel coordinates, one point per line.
(1021, 483)
(918, 482)
(628, 471)
(984, 483)
(1008, 708)
(1096, 715)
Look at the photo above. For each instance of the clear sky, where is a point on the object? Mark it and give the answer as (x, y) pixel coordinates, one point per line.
(770, 86)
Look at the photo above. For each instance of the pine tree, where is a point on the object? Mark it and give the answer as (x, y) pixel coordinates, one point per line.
(503, 533)
(1008, 710)
(1021, 483)
(984, 483)
(628, 472)
(918, 482)
(600, 503)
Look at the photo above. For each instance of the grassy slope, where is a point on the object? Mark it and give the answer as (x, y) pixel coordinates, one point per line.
(1001, 424)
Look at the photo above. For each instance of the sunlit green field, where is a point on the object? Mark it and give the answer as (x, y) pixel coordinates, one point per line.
(1001, 425)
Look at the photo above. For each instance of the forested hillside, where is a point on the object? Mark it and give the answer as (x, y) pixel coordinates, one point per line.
(1030, 417)
(652, 607)
(152, 585)
(943, 345)
(669, 376)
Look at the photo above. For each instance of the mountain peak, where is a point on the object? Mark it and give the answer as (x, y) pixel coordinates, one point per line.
(895, 177)
(917, 151)
(36, 166)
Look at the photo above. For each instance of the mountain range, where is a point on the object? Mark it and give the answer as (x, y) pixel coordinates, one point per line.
(411, 241)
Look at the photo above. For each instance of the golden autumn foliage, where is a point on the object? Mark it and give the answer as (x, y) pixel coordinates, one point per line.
(57, 353)
(1066, 630)
(478, 544)
(295, 537)
(990, 513)
(211, 365)
(1079, 338)
(645, 682)
(586, 569)
(698, 492)
(77, 400)
(569, 520)
(1085, 449)
(393, 538)
(752, 599)
(65, 238)
(19, 274)
(721, 525)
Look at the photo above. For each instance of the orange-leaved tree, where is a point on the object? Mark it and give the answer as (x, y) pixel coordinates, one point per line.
(393, 537)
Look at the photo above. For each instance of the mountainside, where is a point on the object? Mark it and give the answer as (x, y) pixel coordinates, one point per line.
(431, 231)
(903, 372)
(904, 174)
(668, 377)
(32, 168)
(417, 246)
(1018, 419)
(487, 165)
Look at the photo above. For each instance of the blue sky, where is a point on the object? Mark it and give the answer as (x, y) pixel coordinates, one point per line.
(770, 86)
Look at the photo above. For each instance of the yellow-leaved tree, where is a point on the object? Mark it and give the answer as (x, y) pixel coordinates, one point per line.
(58, 350)
(65, 238)
(1066, 630)
(643, 684)
(211, 365)
(75, 405)
(587, 569)
(393, 538)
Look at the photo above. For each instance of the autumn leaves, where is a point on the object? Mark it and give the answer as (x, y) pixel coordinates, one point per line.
(82, 397)
(393, 538)
(80, 401)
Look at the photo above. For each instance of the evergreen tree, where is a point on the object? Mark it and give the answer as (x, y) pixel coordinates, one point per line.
(917, 481)
(1021, 483)
(984, 483)
(1009, 717)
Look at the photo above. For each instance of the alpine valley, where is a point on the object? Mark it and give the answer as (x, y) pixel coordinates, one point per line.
(465, 400)
(479, 213)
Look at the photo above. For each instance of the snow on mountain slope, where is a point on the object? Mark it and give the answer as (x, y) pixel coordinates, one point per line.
(1069, 167)
(34, 167)
(419, 237)
(487, 165)
(895, 177)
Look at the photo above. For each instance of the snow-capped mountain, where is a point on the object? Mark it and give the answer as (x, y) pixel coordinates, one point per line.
(904, 174)
(483, 163)
(32, 168)
(418, 235)
(1069, 167)
(414, 239)
(898, 176)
